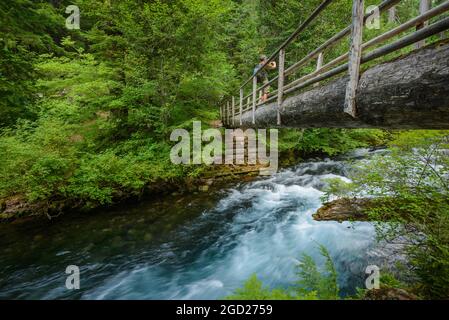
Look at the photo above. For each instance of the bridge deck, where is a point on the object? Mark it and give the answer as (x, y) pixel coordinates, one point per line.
(409, 92)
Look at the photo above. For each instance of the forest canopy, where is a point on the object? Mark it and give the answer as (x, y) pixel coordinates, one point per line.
(86, 115)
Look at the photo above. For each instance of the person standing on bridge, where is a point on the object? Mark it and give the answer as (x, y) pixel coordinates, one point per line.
(262, 76)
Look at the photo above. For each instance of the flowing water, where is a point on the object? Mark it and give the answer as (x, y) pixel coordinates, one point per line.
(201, 246)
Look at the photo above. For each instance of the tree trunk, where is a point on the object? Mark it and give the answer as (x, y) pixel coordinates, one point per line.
(411, 92)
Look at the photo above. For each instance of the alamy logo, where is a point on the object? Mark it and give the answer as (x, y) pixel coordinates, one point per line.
(373, 20)
(373, 280)
(240, 147)
(73, 280)
(73, 21)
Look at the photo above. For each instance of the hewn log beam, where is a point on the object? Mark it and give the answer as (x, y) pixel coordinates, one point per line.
(411, 92)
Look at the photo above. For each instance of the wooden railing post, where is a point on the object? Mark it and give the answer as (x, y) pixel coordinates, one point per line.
(233, 110)
(254, 98)
(221, 113)
(424, 6)
(224, 115)
(319, 64)
(392, 14)
(281, 84)
(241, 105)
(355, 54)
(227, 113)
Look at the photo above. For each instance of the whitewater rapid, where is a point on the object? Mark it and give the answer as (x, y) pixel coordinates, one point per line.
(199, 246)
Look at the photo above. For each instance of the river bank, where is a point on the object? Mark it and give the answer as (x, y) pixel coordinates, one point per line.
(17, 207)
(190, 246)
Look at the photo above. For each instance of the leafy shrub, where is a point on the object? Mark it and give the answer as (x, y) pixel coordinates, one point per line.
(311, 285)
(411, 189)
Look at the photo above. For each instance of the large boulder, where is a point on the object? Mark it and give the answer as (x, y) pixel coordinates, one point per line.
(344, 209)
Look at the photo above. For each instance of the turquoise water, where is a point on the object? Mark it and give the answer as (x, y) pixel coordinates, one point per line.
(199, 246)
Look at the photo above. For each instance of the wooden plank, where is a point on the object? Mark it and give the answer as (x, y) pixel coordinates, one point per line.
(424, 6)
(254, 98)
(355, 56)
(427, 78)
(386, 5)
(410, 39)
(248, 96)
(224, 115)
(328, 44)
(241, 106)
(319, 65)
(233, 110)
(227, 113)
(377, 40)
(319, 62)
(407, 25)
(298, 30)
(280, 84)
(392, 14)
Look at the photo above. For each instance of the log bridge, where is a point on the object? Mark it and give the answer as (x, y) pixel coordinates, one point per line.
(356, 90)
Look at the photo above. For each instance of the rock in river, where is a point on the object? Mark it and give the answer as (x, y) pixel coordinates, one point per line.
(344, 209)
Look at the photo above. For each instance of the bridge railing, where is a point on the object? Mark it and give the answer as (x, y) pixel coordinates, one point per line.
(231, 112)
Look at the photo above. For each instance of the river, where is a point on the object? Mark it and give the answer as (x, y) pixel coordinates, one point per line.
(200, 246)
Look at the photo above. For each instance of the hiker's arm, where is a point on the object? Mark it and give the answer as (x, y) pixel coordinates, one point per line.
(272, 65)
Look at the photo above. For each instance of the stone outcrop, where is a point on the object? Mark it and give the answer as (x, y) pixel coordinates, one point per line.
(343, 210)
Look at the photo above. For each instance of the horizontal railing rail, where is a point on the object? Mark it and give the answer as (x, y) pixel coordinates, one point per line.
(301, 27)
(348, 62)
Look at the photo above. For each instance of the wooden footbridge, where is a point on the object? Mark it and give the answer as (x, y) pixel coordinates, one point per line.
(354, 90)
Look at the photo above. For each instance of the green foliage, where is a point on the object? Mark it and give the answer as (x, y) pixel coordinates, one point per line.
(325, 283)
(329, 141)
(103, 115)
(311, 285)
(64, 154)
(86, 115)
(253, 289)
(38, 159)
(101, 101)
(26, 29)
(411, 191)
(338, 188)
(389, 280)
